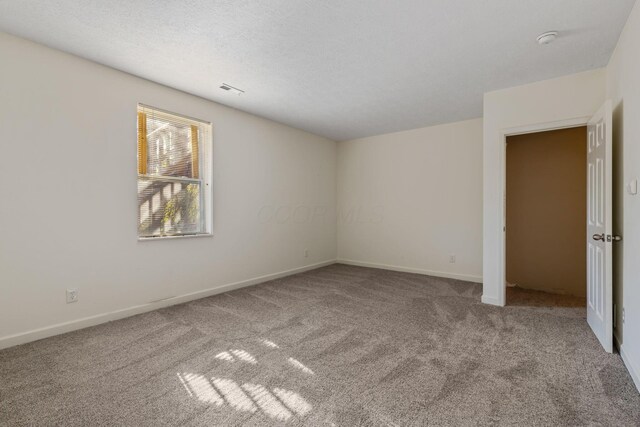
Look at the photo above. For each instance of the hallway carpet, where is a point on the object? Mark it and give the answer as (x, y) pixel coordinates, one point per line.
(337, 346)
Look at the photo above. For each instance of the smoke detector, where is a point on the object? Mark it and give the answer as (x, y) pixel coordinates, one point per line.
(231, 89)
(548, 37)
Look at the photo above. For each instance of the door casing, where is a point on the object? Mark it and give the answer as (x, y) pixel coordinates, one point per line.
(520, 130)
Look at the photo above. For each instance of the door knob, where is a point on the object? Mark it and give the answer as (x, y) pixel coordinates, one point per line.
(598, 237)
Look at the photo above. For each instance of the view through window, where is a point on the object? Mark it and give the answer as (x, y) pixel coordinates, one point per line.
(173, 173)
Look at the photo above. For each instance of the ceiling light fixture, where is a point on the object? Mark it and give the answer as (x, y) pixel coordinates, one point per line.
(231, 89)
(548, 37)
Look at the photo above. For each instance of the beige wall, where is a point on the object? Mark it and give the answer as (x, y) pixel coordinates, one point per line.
(68, 214)
(623, 88)
(546, 211)
(410, 200)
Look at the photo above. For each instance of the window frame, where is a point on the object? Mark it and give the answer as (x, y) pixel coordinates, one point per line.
(205, 173)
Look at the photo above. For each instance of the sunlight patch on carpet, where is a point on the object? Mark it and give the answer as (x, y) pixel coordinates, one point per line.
(297, 364)
(198, 386)
(233, 355)
(278, 403)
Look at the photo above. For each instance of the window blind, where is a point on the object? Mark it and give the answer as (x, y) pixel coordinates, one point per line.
(170, 188)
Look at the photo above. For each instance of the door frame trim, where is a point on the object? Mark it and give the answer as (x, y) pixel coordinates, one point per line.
(501, 229)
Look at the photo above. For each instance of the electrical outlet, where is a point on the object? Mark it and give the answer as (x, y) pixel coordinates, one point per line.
(452, 259)
(306, 253)
(72, 295)
(623, 315)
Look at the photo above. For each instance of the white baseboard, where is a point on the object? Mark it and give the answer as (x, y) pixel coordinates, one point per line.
(633, 370)
(465, 277)
(61, 328)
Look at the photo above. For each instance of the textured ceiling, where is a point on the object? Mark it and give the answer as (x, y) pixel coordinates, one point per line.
(339, 68)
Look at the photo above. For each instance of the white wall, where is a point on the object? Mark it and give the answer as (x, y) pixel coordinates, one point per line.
(623, 88)
(570, 97)
(409, 200)
(68, 196)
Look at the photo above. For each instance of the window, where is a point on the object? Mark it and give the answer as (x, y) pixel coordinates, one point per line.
(173, 174)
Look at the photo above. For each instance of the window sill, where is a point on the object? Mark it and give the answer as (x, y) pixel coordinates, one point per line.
(185, 236)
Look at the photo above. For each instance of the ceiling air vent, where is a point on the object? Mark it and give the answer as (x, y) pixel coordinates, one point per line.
(231, 89)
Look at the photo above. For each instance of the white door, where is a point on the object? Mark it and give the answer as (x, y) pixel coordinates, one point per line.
(599, 224)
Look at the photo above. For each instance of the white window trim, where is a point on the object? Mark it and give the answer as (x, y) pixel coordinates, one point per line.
(206, 156)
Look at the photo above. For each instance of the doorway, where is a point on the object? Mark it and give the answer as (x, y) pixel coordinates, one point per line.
(546, 203)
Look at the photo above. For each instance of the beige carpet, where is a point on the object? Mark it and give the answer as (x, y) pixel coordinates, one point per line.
(341, 345)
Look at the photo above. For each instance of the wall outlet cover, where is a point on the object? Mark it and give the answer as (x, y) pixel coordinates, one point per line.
(72, 295)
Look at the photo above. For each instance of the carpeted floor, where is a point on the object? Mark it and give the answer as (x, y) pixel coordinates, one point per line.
(341, 345)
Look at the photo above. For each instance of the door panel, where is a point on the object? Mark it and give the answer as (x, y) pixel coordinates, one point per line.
(599, 225)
